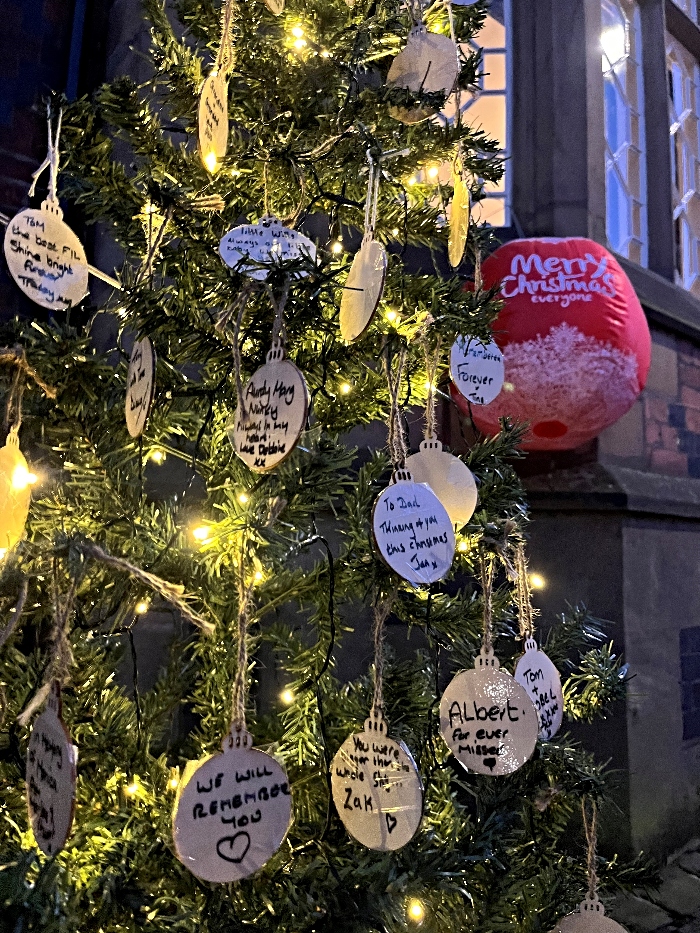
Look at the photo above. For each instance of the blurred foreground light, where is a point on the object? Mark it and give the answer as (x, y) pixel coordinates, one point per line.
(415, 910)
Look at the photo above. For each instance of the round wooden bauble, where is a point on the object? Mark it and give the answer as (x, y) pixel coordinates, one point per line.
(140, 385)
(272, 413)
(589, 918)
(15, 492)
(51, 777)
(536, 674)
(451, 480)
(429, 62)
(45, 257)
(476, 369)
(212, 121)
(413, 531)
(487, 719)
(376, 787)
(363, 289)
(459, 222)
(232, 812)
(268, 241)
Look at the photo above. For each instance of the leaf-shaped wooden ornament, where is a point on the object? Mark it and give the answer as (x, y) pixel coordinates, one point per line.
(15, 492)
(429, 62)
(51, 777)
(212, 121)
(140, 385)
(45, 258)
(232, 811)
(487, 719)
(451, 480)
(363, 289)
(459, 221)
(376, 787)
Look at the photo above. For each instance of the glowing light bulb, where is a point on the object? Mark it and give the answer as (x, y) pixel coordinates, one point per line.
(157, 456)
(21, 478)
(325, 54)
(300, 44)
(395, 231)
(337, 247)
(211, 162)
(258, 576)
(391, 316)
(297, 32)
(463, 547)
(141, 607)
(416, 910)
(243, 497)
(537, 581)
(433, 172)
(287, 697)
(200, 533)
(173, 783)
(412, 180)
(346, 388)
(429, 386)
(132, 789)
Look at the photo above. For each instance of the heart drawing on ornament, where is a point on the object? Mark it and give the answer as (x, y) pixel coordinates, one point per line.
(234, 848)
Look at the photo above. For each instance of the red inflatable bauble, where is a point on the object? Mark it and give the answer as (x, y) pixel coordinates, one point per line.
(575, 341)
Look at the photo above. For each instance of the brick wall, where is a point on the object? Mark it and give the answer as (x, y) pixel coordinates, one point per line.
(661, 433)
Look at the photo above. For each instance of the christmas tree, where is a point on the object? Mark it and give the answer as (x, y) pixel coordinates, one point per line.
(267, 553)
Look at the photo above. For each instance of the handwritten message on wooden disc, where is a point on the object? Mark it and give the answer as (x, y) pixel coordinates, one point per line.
(451, 480)
(45, 257)
(363, 289)
(212, 121)
(271, 415)
(488, 720)
(15, 493)
(540, 678)
(413, 531)
(429, 62)
(140, 385)
(268, 241)
(459, 222)
(476, 369)
(376, 788)
(589, 918)
(51, 777)
(232, 813)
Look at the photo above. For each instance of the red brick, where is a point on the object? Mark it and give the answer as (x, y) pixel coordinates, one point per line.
(670, 462)
(690, 397)
(655, 409)
(690, 376)
(692, 420)
(652, 433)
(669, 437)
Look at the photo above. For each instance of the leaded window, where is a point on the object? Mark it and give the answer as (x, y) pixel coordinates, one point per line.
(625, 175)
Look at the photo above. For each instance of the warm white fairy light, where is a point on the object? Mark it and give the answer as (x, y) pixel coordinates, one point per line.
(141, 607)
(337, 247)
(433, 172)
(243, 497)
(537, 581)
(287, 697)
(21, 478)
(211, 162)
(132, 789)
(391, 315)
(297, 32)
(463, 546)
(395, 231)
(346, 388)
(200, 533)
(157, 456)
(258, 576)
(416, 910)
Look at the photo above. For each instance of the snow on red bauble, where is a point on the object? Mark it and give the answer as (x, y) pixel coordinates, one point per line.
(575, 341)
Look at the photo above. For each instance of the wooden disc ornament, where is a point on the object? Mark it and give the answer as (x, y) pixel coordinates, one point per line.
(459, 220)
(538, 676)
(140, 385)
(45, 258)
(487, 719)
(429, 62)
(212, 120)
(363, 289)
(451, 480)
(476, 369)
(254, 248)
(232, 812)
(589, 918)
(413, 531)
(272, 413)
(377, 790)
(51, 777)
(15, 492)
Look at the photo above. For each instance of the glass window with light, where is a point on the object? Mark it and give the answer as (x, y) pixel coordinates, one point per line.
(625, 170)
(487, 107)
(684, 107)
